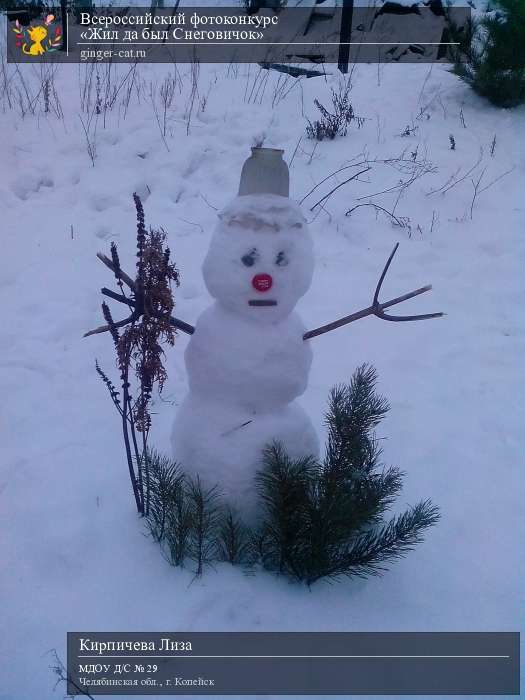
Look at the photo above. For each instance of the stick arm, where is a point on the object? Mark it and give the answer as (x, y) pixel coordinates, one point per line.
(131, 303)
(377, 308)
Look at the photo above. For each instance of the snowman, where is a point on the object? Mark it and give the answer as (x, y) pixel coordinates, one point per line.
(247, 361)
(249, 355)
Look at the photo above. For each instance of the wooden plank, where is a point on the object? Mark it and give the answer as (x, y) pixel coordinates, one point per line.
(345, 35)
(294, 71)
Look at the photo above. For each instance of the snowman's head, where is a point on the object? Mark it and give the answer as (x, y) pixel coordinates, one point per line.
(260, 261)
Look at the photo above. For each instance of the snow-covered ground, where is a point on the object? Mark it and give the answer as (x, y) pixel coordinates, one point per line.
(74, 554)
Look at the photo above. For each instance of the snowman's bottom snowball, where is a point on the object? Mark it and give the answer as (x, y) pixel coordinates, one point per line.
(224, 446)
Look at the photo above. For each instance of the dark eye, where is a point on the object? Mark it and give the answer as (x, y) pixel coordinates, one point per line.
(281, 259)
(250, 258)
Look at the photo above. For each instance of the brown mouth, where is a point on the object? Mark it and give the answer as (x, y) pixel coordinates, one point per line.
(262, 302)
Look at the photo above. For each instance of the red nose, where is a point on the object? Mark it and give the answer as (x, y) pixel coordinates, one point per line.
(262, 282)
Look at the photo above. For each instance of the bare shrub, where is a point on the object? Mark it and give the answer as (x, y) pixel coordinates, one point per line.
(139, 346)
(335, 123)
(162, 101)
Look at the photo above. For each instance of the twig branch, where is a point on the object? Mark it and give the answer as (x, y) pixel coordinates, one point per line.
(496, 179)
(377, 308)
(396, 220)
(478, 190)
(475, 185)
(455, 180)
(402, 185)
(318, 184)
(118, 324)
(414, 168)
(117, 297)
(123, 276)
(208, 203)
(354, 177)
(60, 670)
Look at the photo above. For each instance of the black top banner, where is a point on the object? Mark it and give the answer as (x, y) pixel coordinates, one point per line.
(307, 33)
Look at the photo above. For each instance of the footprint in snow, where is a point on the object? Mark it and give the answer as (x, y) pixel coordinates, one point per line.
(105, 233)
(25, 186)
(101, 202)
(143, 190)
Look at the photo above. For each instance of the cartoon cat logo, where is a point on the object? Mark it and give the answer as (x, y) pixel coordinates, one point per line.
(32, 41)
